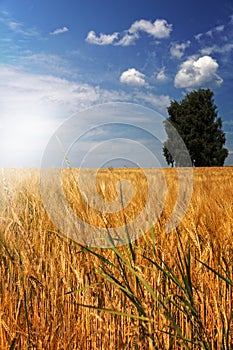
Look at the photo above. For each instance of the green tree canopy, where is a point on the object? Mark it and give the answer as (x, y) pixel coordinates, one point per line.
(196, 120)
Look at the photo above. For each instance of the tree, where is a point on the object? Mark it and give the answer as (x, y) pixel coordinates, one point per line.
(196, 120)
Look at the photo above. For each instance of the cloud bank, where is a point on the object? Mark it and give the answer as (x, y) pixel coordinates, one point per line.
(22, 93)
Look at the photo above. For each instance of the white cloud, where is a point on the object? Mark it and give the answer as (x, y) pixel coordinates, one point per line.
(53, 64)
(158, 29)
(133, 77)
(215, 48)
(158, 101)
(220, 28)
(18, 27)
(59, 31)
(161, 76)
(47, 96)
(195, 73)
(177, 50)
(102, 39)
(198, 36)
(210, 33)
(127, 40)
(207, 50)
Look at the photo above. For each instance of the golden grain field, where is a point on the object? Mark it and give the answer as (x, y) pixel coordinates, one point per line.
(162, 291)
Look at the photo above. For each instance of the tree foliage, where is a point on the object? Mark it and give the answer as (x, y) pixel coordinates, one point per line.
(196, 120)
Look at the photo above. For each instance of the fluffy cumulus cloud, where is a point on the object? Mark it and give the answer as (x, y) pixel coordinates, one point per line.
(158, 29)
(177, 50)
(102, 39)
(59, 31)
(196, 73)
(133, 77)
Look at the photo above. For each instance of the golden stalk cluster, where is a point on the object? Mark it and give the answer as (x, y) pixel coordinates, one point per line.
(163, 291)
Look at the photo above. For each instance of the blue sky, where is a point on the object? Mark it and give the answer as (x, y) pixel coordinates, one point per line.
(59, 58)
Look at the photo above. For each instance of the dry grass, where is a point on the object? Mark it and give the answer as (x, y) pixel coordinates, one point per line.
(171, 291)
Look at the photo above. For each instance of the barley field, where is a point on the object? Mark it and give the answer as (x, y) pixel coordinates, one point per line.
(161, 291)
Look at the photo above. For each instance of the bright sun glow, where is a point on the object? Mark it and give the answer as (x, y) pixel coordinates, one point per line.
(23, 139)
